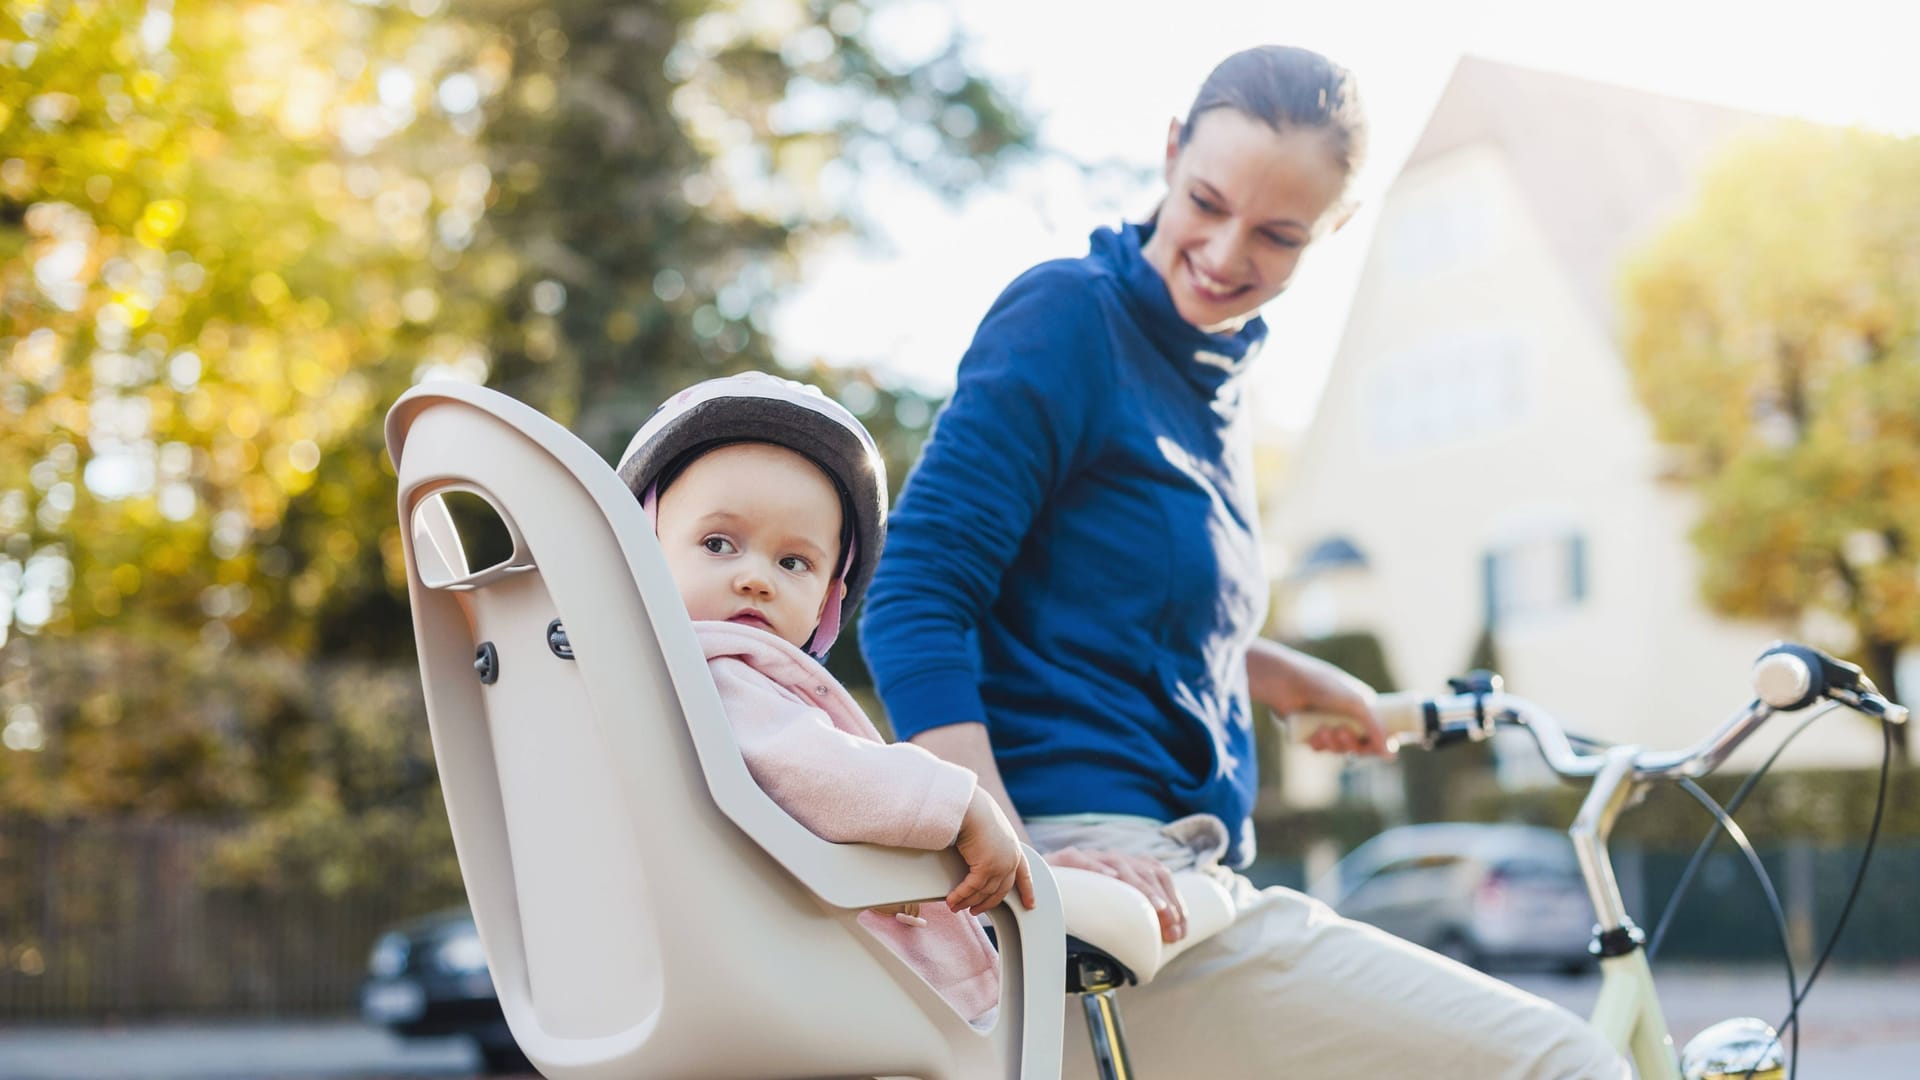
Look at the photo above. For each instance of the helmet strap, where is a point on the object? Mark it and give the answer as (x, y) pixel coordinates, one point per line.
(825, 634)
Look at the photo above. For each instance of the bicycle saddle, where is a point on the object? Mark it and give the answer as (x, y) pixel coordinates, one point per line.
(1117, 919)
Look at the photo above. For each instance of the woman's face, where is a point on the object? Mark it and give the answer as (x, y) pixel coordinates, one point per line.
(1243, 203)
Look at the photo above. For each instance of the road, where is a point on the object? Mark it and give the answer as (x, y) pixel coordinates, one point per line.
(1858, 1025)
(1854, 1024)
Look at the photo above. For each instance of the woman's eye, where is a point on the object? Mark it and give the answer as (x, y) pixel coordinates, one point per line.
(1280, 241)
(718, 545)
(795, 564)
(1207, 206)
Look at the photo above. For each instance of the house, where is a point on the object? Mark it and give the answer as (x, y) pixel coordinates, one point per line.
(1479, 458)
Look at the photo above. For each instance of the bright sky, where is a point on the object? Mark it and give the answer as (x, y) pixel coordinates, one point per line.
(1103, 78)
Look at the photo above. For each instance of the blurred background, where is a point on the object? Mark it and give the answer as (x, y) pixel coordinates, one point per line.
(1612, 381)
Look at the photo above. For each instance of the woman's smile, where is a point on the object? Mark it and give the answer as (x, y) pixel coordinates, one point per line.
(1210, 288)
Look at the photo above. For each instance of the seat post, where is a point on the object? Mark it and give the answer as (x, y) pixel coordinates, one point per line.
(1094, 976)
(1109, 1038)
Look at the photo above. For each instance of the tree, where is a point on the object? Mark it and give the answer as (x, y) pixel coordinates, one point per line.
(231, 235)
(1772, 334)
(662, 165)
(193, 289)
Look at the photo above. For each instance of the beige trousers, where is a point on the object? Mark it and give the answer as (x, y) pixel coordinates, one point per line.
(1293, 990)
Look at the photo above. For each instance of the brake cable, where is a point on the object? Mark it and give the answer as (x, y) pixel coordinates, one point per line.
(1724, 822)
(1797, 995)
(1739, 837)
(1733, 806)
(1859, 877)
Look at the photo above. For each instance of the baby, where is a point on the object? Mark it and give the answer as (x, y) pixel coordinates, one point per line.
(769, 501)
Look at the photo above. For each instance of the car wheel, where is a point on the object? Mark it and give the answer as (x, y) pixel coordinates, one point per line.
(501, 1058)
(1458, 949)
(1573, 966)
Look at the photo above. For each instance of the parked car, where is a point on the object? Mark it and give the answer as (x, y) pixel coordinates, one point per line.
(428, 978)
(1486, 895)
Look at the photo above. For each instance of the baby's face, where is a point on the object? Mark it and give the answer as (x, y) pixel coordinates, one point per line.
(752, 536)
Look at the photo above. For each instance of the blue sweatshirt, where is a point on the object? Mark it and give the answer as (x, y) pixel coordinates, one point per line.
(1075, 560)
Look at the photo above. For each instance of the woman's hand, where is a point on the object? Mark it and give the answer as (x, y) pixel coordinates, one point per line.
(1143, 872)
(995, 863)
(1288, 682)
(1364, 736)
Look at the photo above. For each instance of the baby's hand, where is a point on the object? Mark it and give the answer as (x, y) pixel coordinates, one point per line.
(995, 863)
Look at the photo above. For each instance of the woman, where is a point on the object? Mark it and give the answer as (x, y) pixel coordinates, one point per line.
(1071, 601)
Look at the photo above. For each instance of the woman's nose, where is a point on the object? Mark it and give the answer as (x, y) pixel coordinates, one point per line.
(1223, 250)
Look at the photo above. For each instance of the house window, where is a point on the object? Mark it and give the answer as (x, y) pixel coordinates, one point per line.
(1442, 226)
(1534, 577)
(1448, 389)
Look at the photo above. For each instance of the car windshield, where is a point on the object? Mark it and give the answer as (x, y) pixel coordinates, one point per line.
(1540, 871)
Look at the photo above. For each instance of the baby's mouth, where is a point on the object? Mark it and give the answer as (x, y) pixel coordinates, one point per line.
(750, 617)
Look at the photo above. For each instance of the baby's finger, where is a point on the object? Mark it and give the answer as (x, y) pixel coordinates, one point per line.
(991, 898)
(1023, 879)
(964, 894)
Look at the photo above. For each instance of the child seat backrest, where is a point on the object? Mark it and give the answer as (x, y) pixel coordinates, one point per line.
(645, 908)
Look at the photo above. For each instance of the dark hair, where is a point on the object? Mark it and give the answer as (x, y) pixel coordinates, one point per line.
(1286, 88)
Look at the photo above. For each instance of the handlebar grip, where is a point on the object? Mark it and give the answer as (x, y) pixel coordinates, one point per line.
(1789, 676)
(1403, 715)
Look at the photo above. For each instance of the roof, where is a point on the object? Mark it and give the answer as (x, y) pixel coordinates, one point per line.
(1332, 553)
(1599, 165)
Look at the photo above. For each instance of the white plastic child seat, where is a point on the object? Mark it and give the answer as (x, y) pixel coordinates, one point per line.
(646, 909)
(1117, 918)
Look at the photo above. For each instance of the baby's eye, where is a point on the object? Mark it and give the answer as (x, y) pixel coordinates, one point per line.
(795, 564)
(718, 545)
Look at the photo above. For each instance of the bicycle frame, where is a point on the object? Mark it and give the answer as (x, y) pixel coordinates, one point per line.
(1787, 677)
(1628, 1010)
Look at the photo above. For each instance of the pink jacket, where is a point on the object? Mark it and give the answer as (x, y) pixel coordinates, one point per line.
(809, 746)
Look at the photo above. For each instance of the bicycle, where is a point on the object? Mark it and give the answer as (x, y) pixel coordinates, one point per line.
(1787, 677)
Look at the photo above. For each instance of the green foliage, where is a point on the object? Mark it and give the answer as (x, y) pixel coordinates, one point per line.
(1289, 830)
(1359, 654)
(1825, 806)
(664, 165)
(194, 301)
(230, 235)
(1774, 335)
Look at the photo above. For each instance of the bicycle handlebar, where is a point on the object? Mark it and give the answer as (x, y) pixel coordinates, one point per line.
(1786, 677)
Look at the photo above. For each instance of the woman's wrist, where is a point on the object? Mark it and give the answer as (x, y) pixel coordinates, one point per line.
(1289, 681)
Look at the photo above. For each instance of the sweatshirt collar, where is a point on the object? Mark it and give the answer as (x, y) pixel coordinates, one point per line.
(1208, 361)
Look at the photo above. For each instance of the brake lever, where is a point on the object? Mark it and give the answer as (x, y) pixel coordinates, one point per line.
(1871, 702)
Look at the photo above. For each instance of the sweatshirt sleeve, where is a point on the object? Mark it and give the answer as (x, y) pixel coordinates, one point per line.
(842, 787)
(1028, 391)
